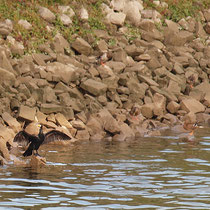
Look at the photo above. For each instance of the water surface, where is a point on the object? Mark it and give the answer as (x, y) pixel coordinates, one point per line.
(148, 173)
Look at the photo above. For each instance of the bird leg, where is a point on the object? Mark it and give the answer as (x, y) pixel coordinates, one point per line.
(37, 154)
(191, 133)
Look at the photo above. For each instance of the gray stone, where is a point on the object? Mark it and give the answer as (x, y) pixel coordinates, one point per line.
(65, 19)
(25, 24)
(116, 18)
(46, 14)
(132, 11)
(6, 27)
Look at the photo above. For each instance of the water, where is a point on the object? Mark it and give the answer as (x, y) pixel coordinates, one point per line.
(148, 173)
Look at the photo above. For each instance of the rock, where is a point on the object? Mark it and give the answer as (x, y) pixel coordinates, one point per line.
(109, 122)
(207, 15)
(190, 117)
(94, 87)
(192, 105)
(118, 5)
(173, 107)
(132, 11)
(78, 124)
(62, 72)
(12, 122)
(5, 62)
(16, 47)
(147, 25)
(81, 46)
(41, 117)
(37, 161)
(6, 27)
(95, 126)
(152, 35)
(159, 104)
(82, 135)
(32, 128)
(7, 134)
(6, 77)
(27, 113)
(126, 131)
(200, 32)
(116, 18)
(136, 88)
(172, 25)
(207, 28)
(177, 38)
(143, 57)
(46, 14)
(116, 66)
(119, 55)
(147, 110)
(59, 44)
(83, 14)
(66, 10)
(65, 19)
(62, 121)
(207, 100)
(25, 24)
(105, 71)
(148, 80)
(50, 108)
(3, 149)
(38, 59)
(151, 14)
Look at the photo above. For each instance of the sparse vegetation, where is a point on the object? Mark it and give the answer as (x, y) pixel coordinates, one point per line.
(27, 10)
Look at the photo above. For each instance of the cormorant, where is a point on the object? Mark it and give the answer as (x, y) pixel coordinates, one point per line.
(35, 141)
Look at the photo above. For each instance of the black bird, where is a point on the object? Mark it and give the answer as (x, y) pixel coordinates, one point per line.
(35, 141)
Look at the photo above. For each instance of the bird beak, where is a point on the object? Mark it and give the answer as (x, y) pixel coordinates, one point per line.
(39, 125)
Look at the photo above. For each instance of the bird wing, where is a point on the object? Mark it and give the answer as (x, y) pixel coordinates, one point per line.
(54, 136)
(23, 137)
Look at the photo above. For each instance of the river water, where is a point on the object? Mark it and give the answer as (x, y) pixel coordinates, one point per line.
(147, 173)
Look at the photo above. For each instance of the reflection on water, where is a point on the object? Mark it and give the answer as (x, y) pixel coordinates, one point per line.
(148, 173)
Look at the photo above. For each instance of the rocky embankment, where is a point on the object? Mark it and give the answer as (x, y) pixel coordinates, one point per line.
(88, 90)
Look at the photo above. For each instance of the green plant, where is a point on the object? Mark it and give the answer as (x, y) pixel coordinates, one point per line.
(132, 33)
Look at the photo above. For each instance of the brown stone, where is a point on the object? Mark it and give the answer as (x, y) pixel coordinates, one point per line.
(192, 105)
(12, 122)
(94, 87)
(81, 46)
(147, 110)
(27, 113)
(173, 107)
